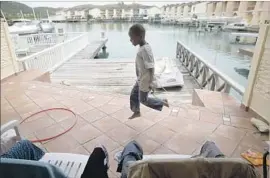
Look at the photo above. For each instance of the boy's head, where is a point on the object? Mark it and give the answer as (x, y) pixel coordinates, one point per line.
(136, 34)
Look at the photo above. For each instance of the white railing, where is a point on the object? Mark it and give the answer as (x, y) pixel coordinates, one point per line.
(207, 75)
(52, 57)
(47, 39)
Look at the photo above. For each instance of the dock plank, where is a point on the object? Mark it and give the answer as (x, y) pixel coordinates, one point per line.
(114, 75)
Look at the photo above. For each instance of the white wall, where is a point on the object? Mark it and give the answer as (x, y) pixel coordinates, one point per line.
(201, 9)
(153, 11)
(95, 12)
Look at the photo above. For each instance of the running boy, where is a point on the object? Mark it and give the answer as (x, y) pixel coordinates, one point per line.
(145, 69)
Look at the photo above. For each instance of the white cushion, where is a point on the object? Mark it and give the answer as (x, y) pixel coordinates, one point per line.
(261, 126)
(8, 139)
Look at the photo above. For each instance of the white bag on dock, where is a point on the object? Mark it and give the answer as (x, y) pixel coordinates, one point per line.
(167, 75)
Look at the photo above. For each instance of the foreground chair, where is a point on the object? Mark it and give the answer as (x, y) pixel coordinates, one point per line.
(71, 165)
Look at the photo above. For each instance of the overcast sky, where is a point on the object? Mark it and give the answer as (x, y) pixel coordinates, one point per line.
(64, 3)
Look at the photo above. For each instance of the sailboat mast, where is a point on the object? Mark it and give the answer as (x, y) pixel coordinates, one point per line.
(22, 14)
(23, 17)
(48, 14)
(34, 13)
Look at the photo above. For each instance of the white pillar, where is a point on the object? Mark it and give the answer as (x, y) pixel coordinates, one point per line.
(257, 94)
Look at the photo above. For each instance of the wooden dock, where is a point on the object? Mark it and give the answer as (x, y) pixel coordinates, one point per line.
(114, 75)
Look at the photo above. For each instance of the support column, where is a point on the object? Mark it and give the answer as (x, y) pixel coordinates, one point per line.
(257, 94)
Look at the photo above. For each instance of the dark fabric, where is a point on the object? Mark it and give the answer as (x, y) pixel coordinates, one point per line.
(132, 152)
(137, 97)
(19, 168)
(210, 150)
(24, 149)
(95, 167)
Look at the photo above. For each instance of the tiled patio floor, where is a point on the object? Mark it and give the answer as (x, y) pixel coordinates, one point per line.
(102, 118)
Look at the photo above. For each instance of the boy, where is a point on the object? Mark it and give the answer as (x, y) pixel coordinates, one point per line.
(145, 69)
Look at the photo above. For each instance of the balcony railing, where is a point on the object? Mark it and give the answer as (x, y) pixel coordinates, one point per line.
(52, 57)
(40, 39)
(207, 75)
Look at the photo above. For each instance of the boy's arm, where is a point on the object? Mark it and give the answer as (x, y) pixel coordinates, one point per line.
(152, 73)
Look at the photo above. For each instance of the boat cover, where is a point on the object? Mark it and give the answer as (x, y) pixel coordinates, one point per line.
(167, 74)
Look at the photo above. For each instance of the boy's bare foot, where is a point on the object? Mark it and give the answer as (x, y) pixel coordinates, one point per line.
(134, 115)
(166, 103)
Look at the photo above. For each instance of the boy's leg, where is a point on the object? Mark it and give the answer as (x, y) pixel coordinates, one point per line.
(95, 167)
(134, 101)
(153, 103)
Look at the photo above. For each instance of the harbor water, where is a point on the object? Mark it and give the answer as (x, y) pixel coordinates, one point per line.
(212, 46)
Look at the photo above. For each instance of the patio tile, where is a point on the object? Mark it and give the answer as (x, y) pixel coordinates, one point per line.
(6, 106)
(107, 123)
(215, 108)
(33, 126)
(175, 123)
(69, 102)
(237, 111)
(20, 100)
(50, 131)
(30, 107)
(182, 144)
(197, 135)
(60, 115)
(122, 115)
(81, 108)
(230, 132)
(240, 149)
(163, 150)
(139, 124)
(193, 114)
(155, 116)
(42, 102)
(104, 140)
(85, 133)
(119, 102)
(159, 133)
(210, 117)
(122, 134)
(100, 100)
(148, 145)
(242, 122)
(63, 144)
(226, 145)
(80, 150)
(200, 126)
(254, 141)
(8, 115)
(56, 104)
(93, 115)
(87, 97)
(67, 123)
(109, 109)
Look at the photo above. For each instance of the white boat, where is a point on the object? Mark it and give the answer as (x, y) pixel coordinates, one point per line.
(47, 26)
(244, 38)
(24, 26)
(237, 26)
(167, 75)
